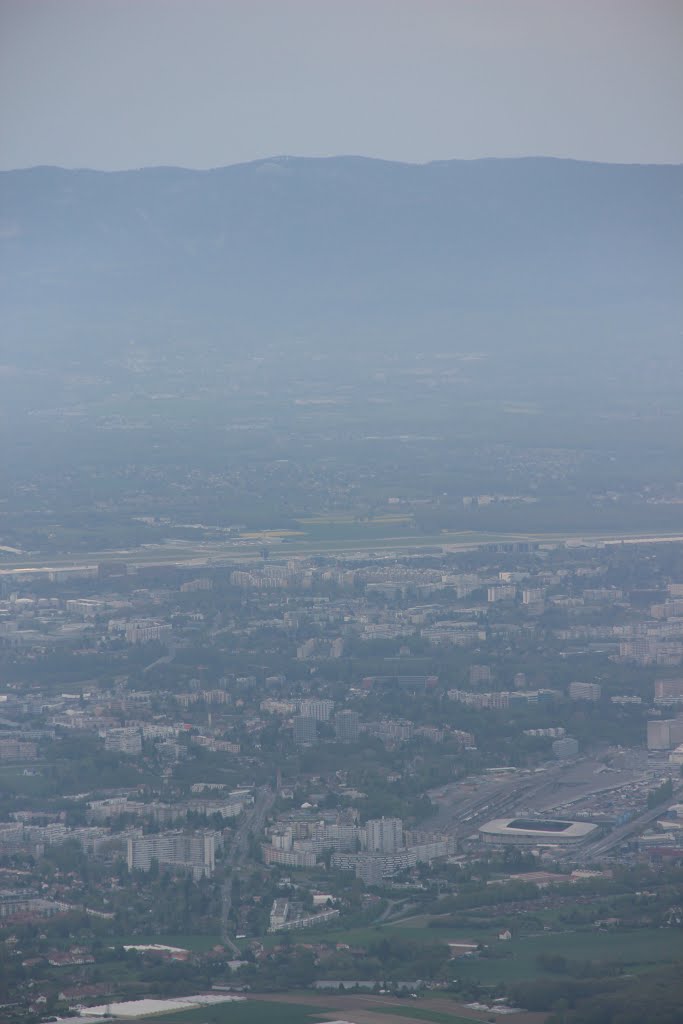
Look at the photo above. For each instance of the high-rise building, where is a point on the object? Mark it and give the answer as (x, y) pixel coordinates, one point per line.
(480, 674)
(384, 835)
(305, 729)
(195, 851)
(347, 726)
(321, 710)
(664, 733)
(658, 737)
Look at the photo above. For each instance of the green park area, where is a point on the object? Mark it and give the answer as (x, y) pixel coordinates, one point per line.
(25, 781)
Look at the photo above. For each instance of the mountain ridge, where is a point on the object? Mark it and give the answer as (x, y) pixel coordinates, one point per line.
(358, 157)
(331, 244)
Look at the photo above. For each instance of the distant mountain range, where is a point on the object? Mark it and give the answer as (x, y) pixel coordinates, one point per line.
(292, 247)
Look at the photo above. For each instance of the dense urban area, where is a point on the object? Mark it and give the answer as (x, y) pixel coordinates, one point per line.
(442, 774)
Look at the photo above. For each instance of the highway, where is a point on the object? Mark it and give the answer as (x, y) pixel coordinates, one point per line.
(595, 851)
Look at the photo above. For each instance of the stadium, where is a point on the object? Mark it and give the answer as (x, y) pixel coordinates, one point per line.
(535, 832)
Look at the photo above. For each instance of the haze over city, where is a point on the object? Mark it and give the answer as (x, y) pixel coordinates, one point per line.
(341, 478)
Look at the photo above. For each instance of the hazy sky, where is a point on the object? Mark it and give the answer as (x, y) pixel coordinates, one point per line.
(200, 83)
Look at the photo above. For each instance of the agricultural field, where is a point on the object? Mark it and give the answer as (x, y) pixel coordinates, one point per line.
(265, 1012)
(516, 960)
(380, 1009)
(635, 950)
(248, 1012)
(418, 1013)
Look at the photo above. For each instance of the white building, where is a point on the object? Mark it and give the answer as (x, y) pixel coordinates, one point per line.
(143, 631)
(584, 691)
(321, 710)
(373, 867)
(289, 858)
(566, 747)
(124, 741)
(194, 851)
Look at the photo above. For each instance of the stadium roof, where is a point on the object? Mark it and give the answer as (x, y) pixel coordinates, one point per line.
(550, 830)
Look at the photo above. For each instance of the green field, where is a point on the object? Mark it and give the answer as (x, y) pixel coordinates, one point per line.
(264, 1012)
(636, 950)
(353, 936)
(248, 1012)
(374, 933)
(417, 1013)
(13, 780)
(334, 528)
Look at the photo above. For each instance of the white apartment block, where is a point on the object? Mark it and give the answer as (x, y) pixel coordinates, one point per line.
(143, 631)
(123, 741)
(193, 851)
(383, 835)
(321, 710)
(584, 691)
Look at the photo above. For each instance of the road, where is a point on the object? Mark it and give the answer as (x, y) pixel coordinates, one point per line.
(617, 836)
(395, 908)
(165, 659)
(252, 825)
